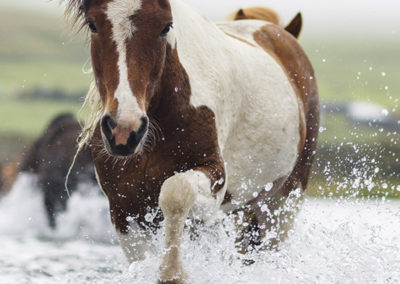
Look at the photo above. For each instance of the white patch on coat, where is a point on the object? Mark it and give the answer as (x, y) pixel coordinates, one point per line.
(196, 183)
(119, 13)
(180, 194)
(256, 107)
(171, 39)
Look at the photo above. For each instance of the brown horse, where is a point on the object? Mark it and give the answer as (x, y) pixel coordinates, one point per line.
(49, 158)
(192, 117)
(266, 14)
(8, 174)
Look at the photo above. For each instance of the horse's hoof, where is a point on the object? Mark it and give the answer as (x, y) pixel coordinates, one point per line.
(175, 281)
(173, 277)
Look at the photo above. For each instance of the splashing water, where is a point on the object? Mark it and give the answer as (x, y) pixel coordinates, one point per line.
(348, 241)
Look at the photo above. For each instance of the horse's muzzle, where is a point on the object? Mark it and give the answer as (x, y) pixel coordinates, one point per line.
(122, 140)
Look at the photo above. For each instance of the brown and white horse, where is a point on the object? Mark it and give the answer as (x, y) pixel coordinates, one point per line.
(193, 117)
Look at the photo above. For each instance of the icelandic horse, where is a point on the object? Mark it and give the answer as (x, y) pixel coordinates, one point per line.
(192, 117)
(49, 158)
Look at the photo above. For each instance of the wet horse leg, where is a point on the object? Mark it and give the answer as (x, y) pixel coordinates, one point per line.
(269, 219)
(179, 194)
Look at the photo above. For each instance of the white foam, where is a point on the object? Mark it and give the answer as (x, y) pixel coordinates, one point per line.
(87, 216)
(349, 241)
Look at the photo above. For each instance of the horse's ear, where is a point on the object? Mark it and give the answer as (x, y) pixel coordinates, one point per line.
(240, 14)
(295, 25)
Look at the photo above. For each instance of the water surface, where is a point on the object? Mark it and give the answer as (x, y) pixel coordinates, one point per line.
(349, 241)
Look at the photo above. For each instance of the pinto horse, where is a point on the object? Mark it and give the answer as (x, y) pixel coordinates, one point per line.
(192, 117)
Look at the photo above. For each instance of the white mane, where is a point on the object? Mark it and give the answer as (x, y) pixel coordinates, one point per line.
(91, 111)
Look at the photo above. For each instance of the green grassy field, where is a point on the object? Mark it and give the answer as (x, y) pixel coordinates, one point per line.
(29, 117)
(40, 51)
(343, 189)
(23, 76)
(364, 69)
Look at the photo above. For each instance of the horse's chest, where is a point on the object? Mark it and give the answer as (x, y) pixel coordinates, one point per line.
(132, 190)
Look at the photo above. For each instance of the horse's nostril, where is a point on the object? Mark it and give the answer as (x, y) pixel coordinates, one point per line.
(107, 125)
(143, 126)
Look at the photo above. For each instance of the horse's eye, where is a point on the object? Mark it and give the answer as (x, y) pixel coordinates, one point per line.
(166, 30)
(92, 27)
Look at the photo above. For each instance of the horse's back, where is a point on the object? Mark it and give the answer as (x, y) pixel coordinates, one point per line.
(279, 120)
(262, 145)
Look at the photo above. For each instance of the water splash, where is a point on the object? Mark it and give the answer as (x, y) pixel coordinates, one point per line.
(333, 241)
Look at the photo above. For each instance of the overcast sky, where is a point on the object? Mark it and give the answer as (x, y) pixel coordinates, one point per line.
(351, 16)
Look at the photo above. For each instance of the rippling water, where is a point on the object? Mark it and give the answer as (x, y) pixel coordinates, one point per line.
(349, 241)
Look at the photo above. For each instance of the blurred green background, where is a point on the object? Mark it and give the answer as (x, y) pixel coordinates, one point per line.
(41, 75)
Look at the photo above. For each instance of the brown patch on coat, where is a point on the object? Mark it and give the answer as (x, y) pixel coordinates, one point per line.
(146, 52)
(189, 141)
(104, 55)
(286, 50)
(288, 53)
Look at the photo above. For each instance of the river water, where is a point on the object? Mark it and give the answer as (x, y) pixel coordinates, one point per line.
(334, 241)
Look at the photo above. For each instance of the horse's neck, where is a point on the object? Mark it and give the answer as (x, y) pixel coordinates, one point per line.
(194, 33)
(188, 45)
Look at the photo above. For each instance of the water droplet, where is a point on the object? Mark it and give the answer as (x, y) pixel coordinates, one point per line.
(148, 217)
(269, 186)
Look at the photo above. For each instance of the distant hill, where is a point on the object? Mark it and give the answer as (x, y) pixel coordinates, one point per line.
(27, 35)
(38, 50)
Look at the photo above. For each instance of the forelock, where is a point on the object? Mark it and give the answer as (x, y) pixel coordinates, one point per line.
(75, 10)
(119, 12)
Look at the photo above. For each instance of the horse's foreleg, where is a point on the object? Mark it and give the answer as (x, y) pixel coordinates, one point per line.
(178, 195)
(135, 243)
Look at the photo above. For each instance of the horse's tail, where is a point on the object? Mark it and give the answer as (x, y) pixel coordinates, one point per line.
(8, 174)
(269, 15)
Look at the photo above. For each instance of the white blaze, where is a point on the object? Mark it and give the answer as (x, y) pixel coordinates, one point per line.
(118, 13)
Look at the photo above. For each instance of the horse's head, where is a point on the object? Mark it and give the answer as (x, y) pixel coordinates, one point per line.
(128, 50)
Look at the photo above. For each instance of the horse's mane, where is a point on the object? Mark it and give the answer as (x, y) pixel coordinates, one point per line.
(75, 9)
(92, 110)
